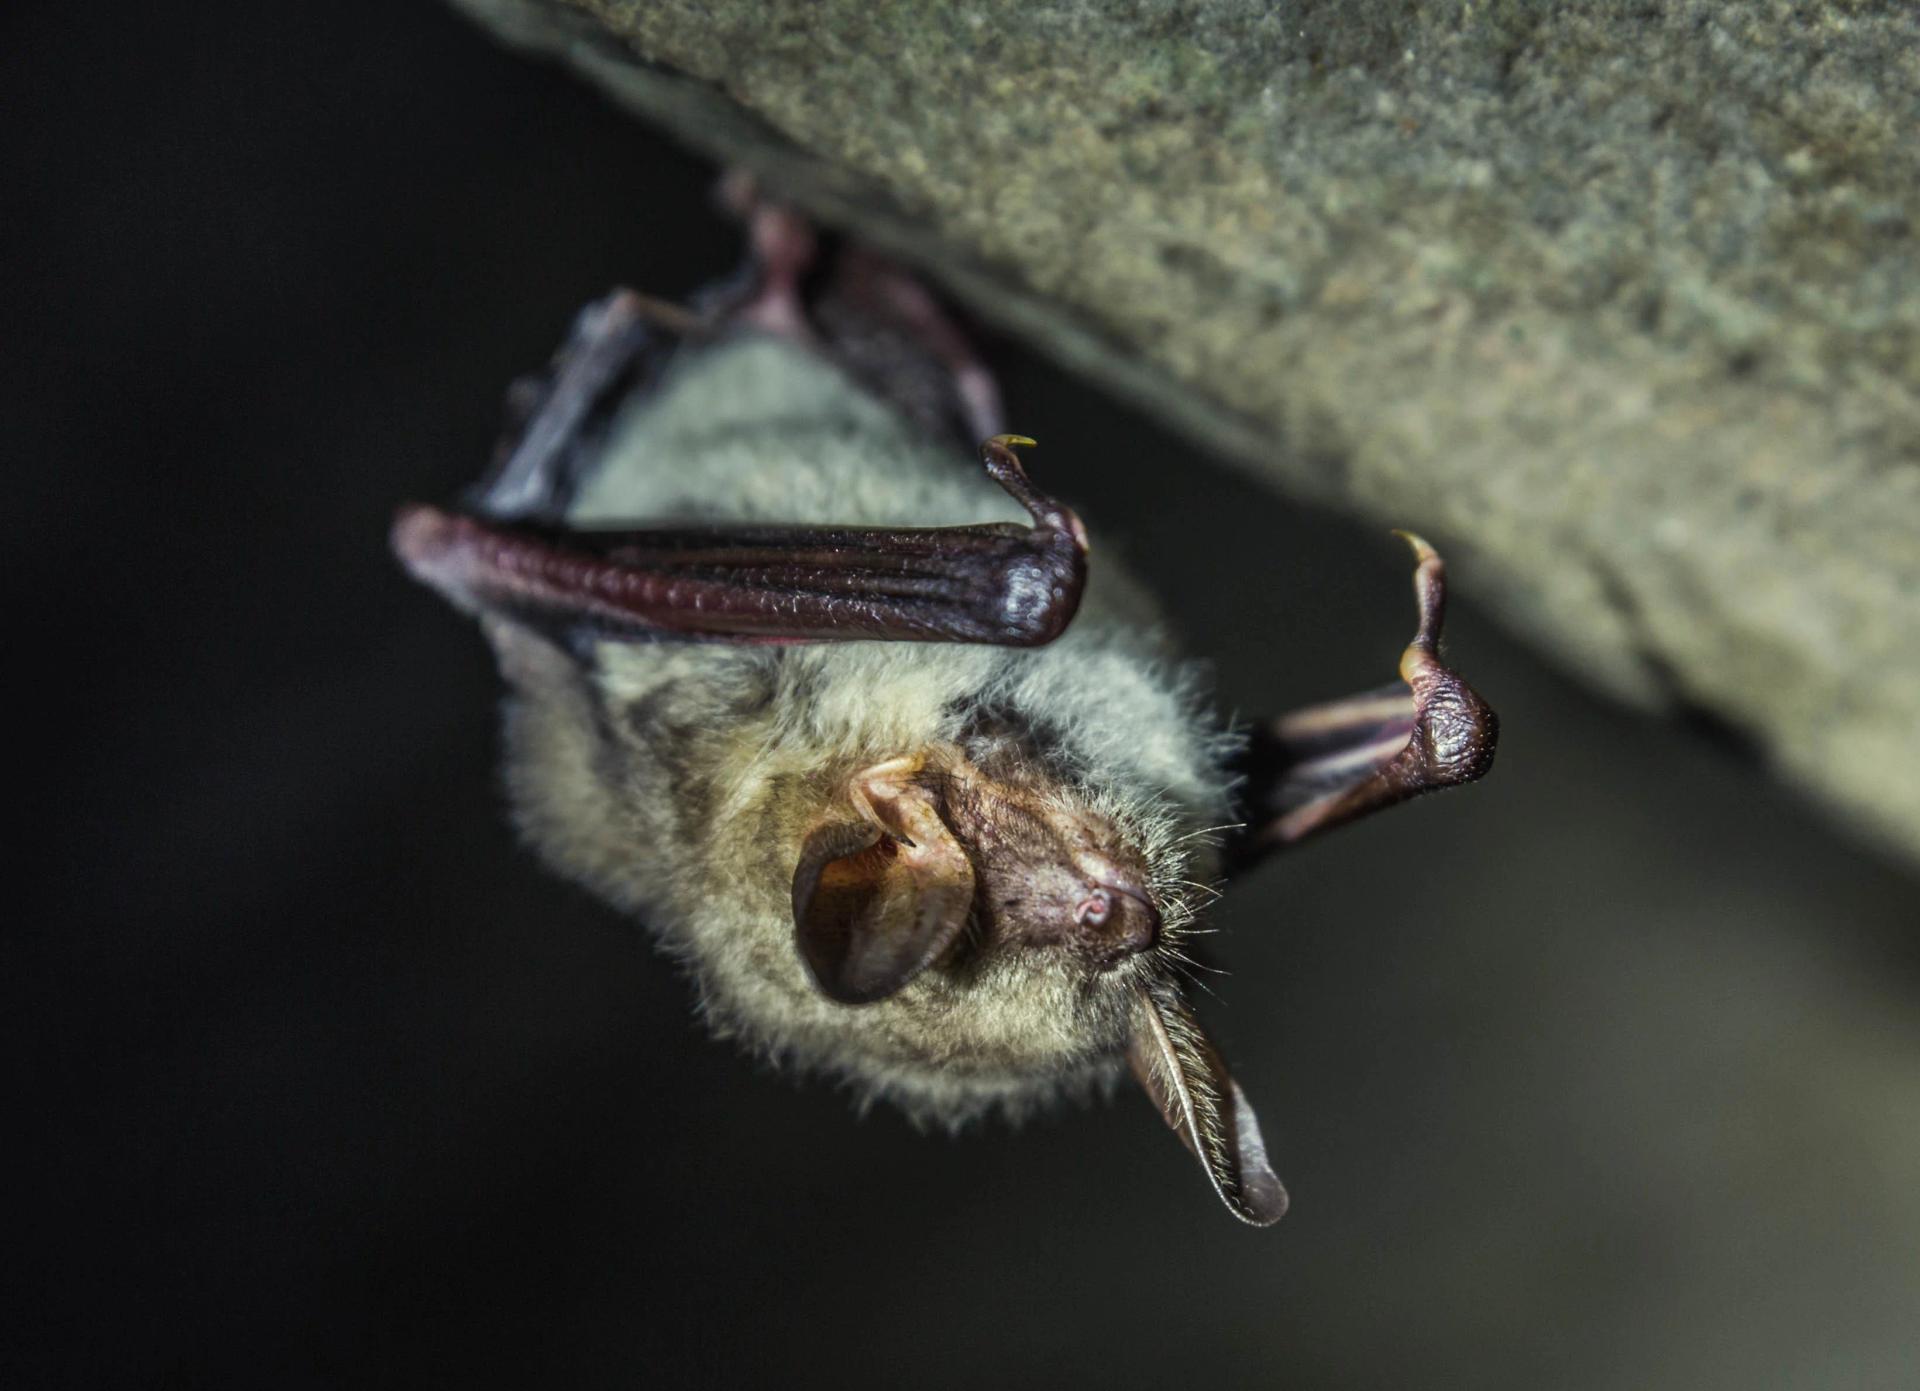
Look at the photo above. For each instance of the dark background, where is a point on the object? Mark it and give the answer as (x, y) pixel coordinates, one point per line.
(1606, 1072)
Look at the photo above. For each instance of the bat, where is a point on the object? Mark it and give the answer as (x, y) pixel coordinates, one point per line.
(922, 798)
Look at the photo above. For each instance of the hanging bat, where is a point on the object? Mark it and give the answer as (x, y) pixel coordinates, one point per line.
(921, 798)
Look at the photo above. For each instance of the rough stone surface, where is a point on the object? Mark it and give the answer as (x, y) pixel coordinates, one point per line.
(1619, 302)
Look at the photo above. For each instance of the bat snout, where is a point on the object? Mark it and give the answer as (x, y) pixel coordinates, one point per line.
(1117, 921)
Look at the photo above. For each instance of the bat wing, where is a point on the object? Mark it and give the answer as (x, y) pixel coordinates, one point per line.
(1004, 584)
(504, 554)
(1313, 769)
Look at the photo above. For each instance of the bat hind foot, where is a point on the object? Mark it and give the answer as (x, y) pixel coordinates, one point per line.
(867, 312)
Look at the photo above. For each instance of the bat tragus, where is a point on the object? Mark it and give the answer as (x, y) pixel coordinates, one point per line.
(920, 799)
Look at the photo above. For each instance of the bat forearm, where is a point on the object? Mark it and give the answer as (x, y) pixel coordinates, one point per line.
(1002, 584)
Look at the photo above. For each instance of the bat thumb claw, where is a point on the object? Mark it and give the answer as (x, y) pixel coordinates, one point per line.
(1422, 552)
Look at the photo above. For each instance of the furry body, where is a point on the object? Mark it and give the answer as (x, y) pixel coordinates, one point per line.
(679, 779)
(916, 794)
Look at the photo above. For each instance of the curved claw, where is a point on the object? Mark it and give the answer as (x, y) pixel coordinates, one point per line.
(1005, 468)
(1430, 597)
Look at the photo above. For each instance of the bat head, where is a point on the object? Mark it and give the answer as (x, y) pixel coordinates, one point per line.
(960, 929)
(936, 858)
(931, 845)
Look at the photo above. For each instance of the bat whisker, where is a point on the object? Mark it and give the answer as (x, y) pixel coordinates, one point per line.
(1209, 830)
(1188, 969)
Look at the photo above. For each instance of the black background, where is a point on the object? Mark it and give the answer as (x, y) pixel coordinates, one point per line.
(1600, 1073)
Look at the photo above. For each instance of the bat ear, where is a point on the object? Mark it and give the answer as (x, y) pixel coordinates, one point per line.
(1181, 1071)
(877, 901)
(529, 661)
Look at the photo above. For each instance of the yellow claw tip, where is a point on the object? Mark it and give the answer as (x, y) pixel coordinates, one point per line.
(1422, 552)
(1011, 440)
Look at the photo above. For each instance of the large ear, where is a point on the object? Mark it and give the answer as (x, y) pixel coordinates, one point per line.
(1180, 1069)
(878, 900)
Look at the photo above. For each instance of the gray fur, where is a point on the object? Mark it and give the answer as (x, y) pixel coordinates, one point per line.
(679, 779)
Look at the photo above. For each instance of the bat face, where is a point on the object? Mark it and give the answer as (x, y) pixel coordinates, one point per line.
(920, 798)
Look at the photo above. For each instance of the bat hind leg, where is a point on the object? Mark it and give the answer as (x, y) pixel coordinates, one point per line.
(768, 294)
(871, 315)
(619, 344)
(555, 419)
(890, 330)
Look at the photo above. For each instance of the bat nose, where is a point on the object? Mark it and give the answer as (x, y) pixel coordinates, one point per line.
(1119, 919)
